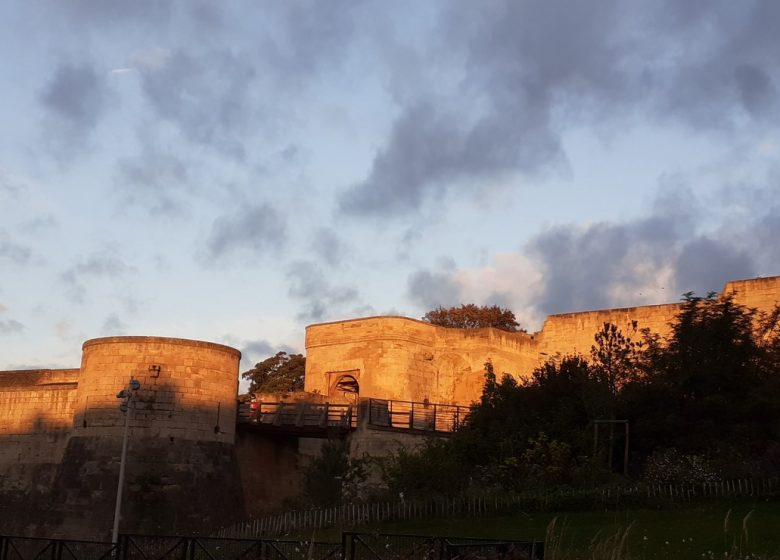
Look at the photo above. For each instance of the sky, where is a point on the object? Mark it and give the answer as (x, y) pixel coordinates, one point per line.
(234, 171)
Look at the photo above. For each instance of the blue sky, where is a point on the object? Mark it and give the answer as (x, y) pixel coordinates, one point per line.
(234, 171)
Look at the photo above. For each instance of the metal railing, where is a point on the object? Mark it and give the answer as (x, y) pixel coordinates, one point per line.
(416, 416)
(147, 547)
(28, 548)
(378, 546)
(300, 414)
(353, 546)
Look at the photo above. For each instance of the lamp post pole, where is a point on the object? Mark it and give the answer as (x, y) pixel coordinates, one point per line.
(126, 406)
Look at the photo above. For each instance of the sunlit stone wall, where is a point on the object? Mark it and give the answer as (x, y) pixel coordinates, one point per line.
(406, 359)
(36, 412)
(188, 388)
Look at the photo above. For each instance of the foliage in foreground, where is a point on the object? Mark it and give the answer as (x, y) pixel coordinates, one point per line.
(702, 404)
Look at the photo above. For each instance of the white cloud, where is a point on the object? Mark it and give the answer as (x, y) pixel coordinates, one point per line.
(511, 280)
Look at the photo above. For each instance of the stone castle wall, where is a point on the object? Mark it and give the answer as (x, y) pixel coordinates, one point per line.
(406, 359)
(61, 434)
(188, 388)
(36, 412)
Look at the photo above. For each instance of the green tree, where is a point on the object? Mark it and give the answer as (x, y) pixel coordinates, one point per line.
(277, 374)
(711, 386)
(470, 316)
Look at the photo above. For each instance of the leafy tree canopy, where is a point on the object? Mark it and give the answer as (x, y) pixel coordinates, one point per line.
(277, 374)
(470, 316)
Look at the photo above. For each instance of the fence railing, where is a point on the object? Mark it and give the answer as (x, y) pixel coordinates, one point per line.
(28, 548)
(353, 546)
(638, 495)
(300, 414)
(378, 546)
(417, 416)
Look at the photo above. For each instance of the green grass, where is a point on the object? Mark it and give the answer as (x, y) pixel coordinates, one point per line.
(681, 533)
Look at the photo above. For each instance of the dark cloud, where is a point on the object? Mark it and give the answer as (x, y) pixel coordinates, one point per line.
(534, 70)
(113, 326)
(430, 289)
(97, 266)
(206, 95)
(10, 326)
(255, 351)
(118, 13)
(328, 246)
(155, 180)
(705, 265)
(582, 265)
(13, 251)
(76, 96)
(257, 348)
(11, 185)
(257, 229)
(518, 78)
(732, 73)
(40, 223)
(321, 299)
(312, 36)
(608, 264)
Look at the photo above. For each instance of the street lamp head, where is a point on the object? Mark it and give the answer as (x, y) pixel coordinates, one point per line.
(135, 384)
(121, 394)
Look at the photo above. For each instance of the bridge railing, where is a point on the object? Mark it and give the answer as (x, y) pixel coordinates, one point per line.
(298, 414)
(416, 416)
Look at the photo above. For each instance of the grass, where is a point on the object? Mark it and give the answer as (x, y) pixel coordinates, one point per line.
(730, 531)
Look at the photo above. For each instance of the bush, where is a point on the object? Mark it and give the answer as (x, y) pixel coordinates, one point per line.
(431, 470)
(669, 466)
(332, 477)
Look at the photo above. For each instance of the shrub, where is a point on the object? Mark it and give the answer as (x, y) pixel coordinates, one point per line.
(669, 466)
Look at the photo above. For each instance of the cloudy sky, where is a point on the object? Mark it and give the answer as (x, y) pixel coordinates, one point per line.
(234, 171)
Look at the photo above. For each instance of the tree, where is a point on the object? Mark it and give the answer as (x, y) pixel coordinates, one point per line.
(277, 374)
(332, 476)
(711, 386)
(614, 356)
(470, 316)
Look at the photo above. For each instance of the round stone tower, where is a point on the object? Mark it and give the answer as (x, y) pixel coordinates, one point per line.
(188, 388)
(182, 474)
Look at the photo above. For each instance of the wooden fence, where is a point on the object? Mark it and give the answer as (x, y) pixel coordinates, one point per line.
(356, 514)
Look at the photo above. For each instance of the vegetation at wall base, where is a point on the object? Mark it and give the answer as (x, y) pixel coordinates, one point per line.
(726, 528)
(700, 405)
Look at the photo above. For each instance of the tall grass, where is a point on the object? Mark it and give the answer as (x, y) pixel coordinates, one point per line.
(615, 545)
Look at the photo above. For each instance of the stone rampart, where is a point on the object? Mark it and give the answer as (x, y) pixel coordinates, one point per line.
(61, 434)
(406, 359)
(36, 412)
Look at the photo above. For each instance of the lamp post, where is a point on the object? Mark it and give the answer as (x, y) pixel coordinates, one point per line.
(126, 395)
